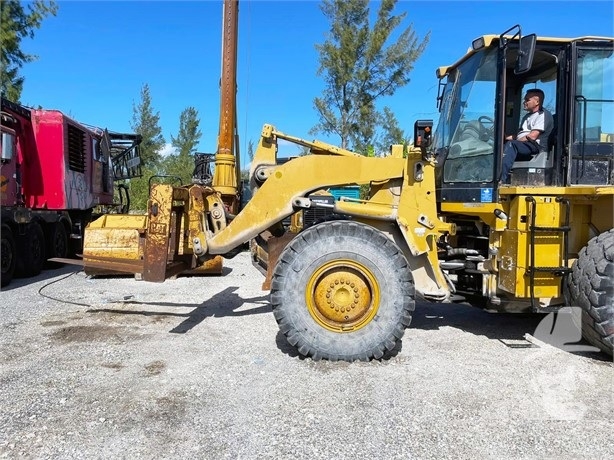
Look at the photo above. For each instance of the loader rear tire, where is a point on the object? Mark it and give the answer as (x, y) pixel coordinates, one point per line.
(342, 291)
(591, 287)
(8, 255)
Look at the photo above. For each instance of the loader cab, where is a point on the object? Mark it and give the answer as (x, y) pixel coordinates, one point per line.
(480, 102)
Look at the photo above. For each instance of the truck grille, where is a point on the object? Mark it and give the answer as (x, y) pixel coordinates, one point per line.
(76, 149)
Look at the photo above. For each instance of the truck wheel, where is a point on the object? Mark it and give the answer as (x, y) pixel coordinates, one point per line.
(58, 241)
(8, 254)
(31, 247)
(342, 291)
(591, 287)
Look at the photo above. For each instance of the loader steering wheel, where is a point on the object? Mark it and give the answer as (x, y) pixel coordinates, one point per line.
(488, 124)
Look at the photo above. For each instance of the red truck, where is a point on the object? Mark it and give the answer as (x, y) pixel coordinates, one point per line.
(56, 175)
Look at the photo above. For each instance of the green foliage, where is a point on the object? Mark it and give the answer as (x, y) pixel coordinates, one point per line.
(17, 23)
(250, 154)
(146, 123)
(391, 133)
(139, 190)
(360, 65)
(181, 163)
(250, 150)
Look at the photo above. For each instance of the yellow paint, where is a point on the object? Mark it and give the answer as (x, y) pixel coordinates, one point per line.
(342, 296)
(402, 202)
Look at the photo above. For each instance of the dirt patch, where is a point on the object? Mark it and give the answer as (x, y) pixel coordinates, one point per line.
(155, 368)
(88, 334)
(52, 323)
(114, 366)
(170, 408)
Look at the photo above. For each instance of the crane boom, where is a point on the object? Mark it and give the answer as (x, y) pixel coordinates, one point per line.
(225, 177)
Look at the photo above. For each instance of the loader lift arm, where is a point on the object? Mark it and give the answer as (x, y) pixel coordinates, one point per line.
(187, 226)
(197, 215)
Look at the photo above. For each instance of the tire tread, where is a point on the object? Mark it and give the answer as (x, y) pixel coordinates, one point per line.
(337, 232)
(590, 286)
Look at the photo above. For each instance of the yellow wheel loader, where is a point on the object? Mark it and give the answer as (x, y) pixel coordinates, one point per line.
(435, 224)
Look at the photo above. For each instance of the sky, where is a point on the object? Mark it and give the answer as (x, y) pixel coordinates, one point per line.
(94, 57)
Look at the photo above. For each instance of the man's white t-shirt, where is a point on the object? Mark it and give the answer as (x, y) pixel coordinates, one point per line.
(542, 121)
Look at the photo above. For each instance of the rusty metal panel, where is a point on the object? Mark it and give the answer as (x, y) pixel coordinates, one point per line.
(509, 261)
(275, 248)
(111, 266)
(114, 244)
(155, 253)
(210, 267)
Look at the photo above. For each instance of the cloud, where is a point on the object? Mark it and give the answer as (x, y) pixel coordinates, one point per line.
(166, 150)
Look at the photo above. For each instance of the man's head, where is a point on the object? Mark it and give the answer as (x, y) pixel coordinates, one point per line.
(533, 100)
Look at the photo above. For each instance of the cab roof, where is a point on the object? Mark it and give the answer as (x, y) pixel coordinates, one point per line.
(490, 40)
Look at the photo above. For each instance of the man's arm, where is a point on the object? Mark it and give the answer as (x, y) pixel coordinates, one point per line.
(537, 127)
(533, 135)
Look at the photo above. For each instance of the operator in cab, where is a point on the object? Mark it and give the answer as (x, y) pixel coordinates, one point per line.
(532, 137)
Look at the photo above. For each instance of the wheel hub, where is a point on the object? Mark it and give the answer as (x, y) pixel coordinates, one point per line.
(342, 296)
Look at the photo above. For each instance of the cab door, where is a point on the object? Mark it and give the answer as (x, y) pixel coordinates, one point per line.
(8, 165)
(592, 123)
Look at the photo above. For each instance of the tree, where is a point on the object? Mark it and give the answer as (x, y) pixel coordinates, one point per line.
(360, 65)
(17, 23)
(146, 123)
(182, 163)
(391, 133)
(251, 151)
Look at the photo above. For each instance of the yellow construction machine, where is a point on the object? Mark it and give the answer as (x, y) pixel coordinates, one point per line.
(435, 224)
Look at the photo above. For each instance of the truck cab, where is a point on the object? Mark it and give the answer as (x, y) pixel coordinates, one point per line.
(55, 174)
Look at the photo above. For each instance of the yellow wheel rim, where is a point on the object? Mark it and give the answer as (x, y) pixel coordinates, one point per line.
(342, 296)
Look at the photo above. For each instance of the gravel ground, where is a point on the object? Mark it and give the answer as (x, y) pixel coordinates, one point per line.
(195, 368)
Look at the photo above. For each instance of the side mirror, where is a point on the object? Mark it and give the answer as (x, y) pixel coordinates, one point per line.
(8, 146)
(526, 50)
(422, 133)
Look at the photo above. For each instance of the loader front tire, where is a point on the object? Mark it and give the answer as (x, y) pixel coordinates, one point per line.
(591, 287)
(342, 291)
